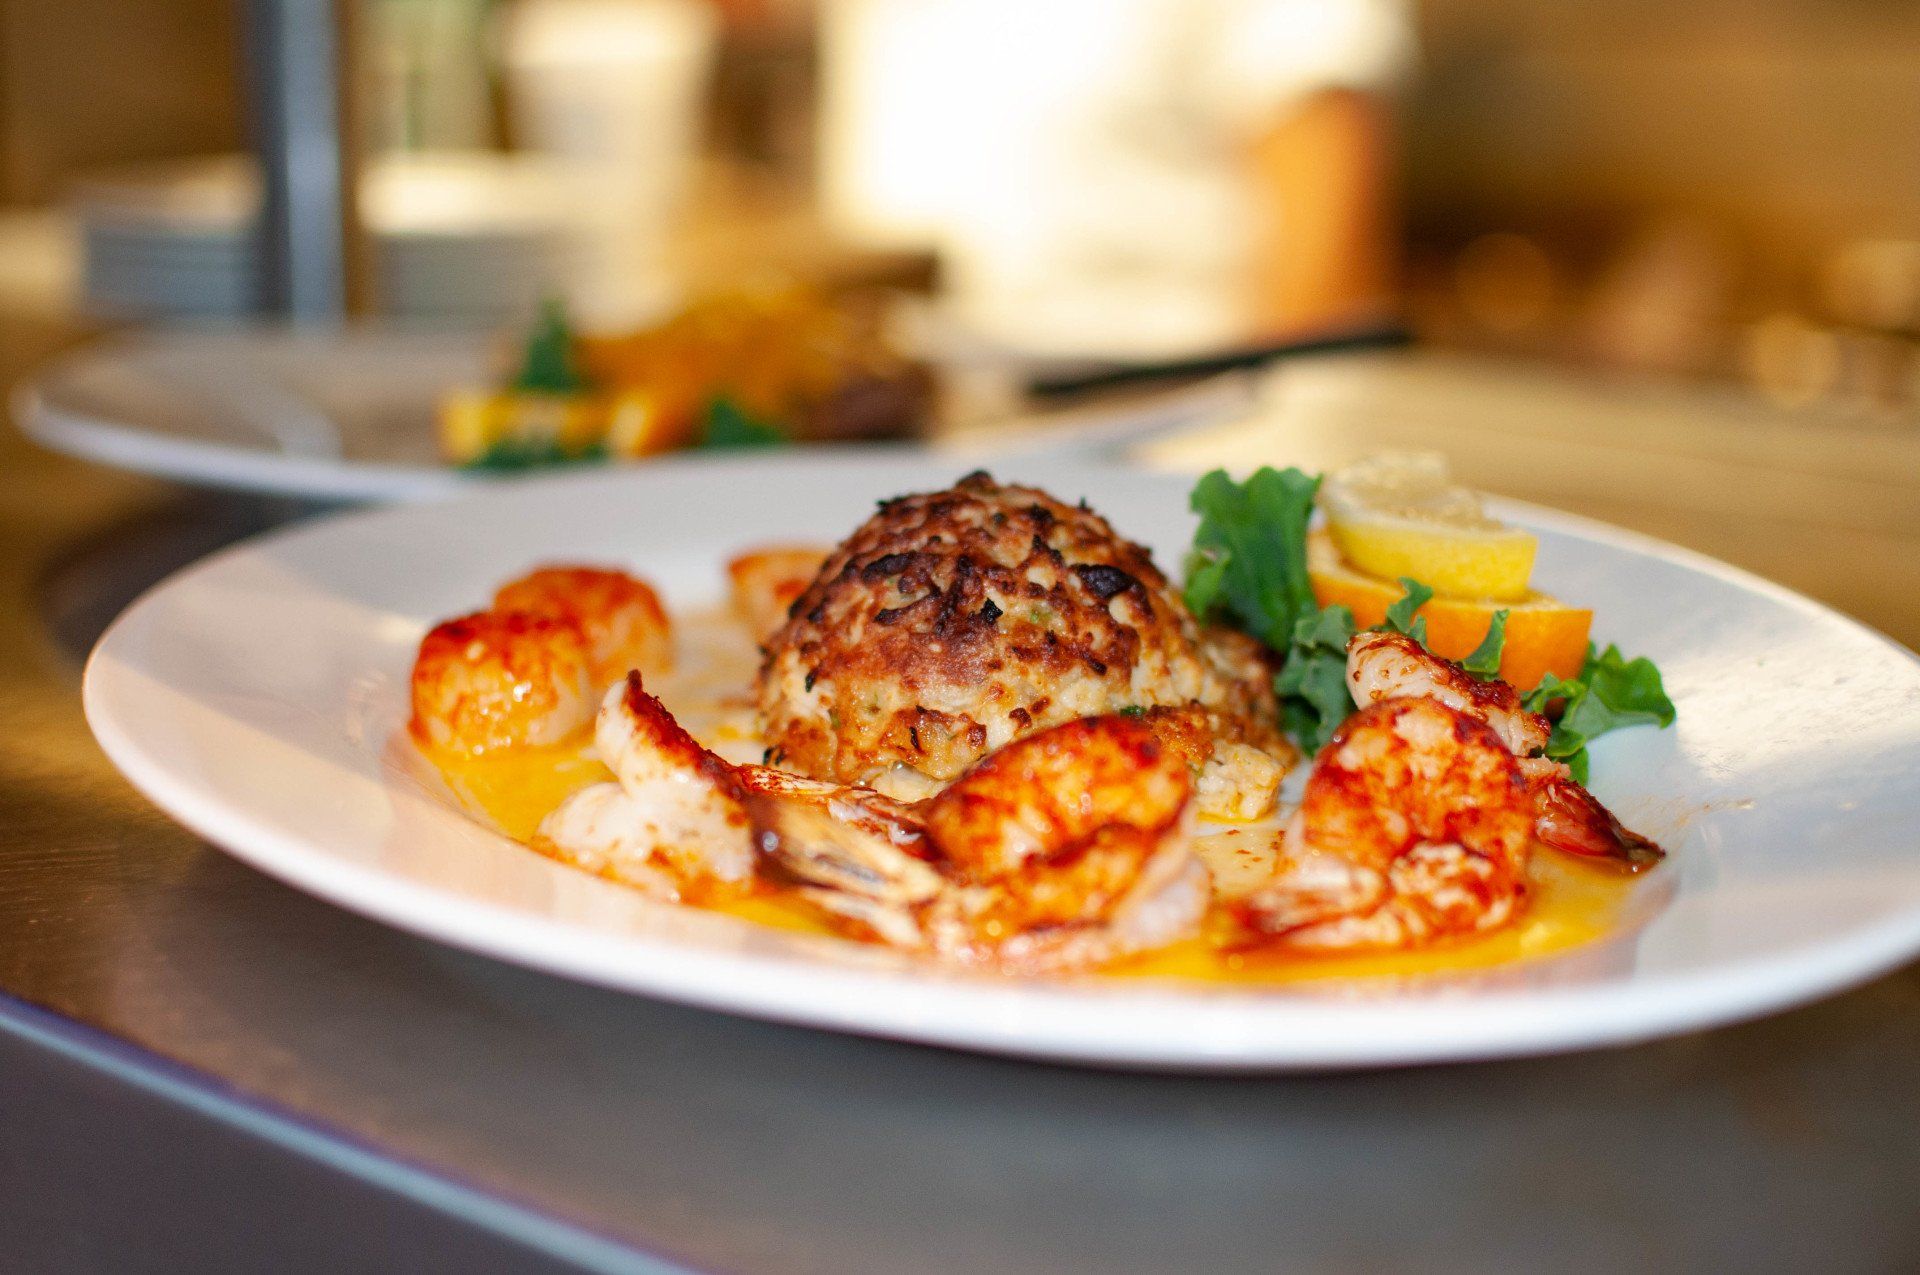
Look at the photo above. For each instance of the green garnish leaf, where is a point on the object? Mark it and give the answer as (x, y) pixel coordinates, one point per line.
(1206, 581)
(1484, 661)
(1611, 693)
(1312, 683)
(1552, 688)
(1330, 626)
(512, 455)
(548, 365)
(1620, 693)
(728, 428)
(1403, 616)
(1248, 566)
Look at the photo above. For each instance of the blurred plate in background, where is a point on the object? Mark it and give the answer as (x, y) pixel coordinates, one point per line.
(327, 415)
(349, 414)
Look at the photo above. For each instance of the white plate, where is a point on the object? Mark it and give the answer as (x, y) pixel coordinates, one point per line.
(257, 697)
(326, 415)
(349, 415)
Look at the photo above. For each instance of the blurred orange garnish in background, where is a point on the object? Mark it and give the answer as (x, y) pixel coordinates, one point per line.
(775, 365)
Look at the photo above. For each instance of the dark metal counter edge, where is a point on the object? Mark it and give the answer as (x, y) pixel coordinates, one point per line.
(206, 1095)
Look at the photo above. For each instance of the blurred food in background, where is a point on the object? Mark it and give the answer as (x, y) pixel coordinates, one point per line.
(1726, 192)
(750, 368)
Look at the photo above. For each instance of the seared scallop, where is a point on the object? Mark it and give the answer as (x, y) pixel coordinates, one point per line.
(766, 581)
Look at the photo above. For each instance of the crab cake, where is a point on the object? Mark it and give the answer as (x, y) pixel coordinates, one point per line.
(953, 622)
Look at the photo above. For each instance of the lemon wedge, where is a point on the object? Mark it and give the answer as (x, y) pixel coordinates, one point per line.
(1401, 514)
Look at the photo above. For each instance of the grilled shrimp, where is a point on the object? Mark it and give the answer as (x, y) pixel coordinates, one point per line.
(602, 830)
(851, 852)
(620, 616)
(767, 580)
(1381, 666)
(1416, 824)
(672, 823)
(1063, 849)
(1393, 666)
(497, 680)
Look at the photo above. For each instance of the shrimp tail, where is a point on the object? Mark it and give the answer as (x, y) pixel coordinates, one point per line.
(848, 851)
(1569, 818)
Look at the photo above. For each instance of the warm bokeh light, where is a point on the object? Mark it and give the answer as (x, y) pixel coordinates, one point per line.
(1082, 166)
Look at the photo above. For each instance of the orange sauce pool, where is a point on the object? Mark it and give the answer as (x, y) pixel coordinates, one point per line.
(1571, 902)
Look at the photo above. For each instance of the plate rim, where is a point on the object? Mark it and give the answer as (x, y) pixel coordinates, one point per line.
(124, 443)
(207, 464)
(1021, 1017)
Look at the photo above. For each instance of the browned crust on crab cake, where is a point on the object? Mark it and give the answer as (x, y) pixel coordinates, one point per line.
(952, 622)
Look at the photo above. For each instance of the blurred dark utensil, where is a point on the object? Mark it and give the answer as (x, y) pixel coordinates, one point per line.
(1113, 375)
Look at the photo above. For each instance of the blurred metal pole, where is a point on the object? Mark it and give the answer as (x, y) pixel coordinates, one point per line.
(296, 50)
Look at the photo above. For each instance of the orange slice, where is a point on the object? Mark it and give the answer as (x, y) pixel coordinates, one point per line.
(1544, 635)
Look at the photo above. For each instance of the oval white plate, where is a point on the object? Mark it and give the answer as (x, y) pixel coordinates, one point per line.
(344, 415)
(349, 414)
(257, 696)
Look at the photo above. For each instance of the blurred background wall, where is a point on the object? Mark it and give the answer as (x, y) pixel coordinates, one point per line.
(85, 83)
(1679, 187)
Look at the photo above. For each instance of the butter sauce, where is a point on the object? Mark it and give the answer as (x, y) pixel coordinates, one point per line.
(1571, 902)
